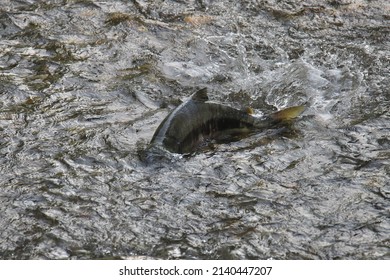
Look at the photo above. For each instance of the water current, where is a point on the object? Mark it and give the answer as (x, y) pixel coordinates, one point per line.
(84, 85)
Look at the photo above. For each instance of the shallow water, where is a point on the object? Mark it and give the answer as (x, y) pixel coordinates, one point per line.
(84, 85)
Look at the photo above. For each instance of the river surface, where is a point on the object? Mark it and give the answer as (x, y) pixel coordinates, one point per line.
(84, 85)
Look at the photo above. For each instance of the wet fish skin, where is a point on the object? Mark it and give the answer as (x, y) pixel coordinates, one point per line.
(197, 119)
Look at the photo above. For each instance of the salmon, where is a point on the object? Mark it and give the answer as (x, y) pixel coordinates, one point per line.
(198, 120)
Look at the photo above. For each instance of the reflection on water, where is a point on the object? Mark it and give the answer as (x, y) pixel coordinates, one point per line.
(84, 85)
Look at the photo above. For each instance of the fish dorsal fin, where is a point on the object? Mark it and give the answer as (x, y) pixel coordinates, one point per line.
(200, 95)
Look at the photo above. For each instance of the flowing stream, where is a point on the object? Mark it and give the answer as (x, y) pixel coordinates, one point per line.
(84, 85)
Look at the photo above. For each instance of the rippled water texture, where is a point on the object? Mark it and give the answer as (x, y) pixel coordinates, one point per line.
(84, 85)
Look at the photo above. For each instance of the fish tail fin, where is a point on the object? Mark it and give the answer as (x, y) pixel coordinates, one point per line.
(287, 114)
(250, 111)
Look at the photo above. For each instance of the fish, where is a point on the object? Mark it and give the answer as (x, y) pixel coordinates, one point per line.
(198, 120)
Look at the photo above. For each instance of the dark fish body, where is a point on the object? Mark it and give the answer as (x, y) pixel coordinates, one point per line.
(197, 119)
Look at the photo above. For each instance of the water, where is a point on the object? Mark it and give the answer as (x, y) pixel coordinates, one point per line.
(84, 85)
